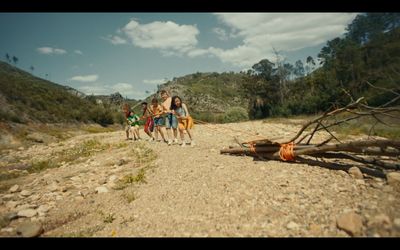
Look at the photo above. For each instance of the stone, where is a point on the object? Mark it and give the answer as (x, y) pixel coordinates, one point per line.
(350, 222)
(12, 204)
(356, 173)
(30, 229)
(381, 221)
(102, 190)
(43, 209)
(102, 181)
(112, 178)
(315, 230)
(121, 162)
(27, 213)
(396, 223)
(52, 187)
(25, 193)
(8, 197)
(342, 173)
(292, 225)
(393, 179)
(4, 221)
(14, 189)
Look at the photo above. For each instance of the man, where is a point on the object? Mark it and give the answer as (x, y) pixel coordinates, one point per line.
(170, 120)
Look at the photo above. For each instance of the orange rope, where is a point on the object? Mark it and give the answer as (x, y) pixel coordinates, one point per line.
(286, 152)
(252, 148)
(227, 128)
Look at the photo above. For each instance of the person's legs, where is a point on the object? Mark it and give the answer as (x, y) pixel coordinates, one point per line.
(127, 130)
(168, 125)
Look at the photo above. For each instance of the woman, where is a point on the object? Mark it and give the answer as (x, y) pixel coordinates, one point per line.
(185, 121)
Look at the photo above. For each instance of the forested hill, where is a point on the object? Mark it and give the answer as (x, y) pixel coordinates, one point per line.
(363, 63)
(25, 98)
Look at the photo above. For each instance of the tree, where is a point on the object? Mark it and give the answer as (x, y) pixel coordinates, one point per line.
(310, 65)
(264, 68)
(8, 58)
(15, 59)
(299, 68)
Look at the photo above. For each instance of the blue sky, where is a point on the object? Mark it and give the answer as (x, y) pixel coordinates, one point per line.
(102, 53)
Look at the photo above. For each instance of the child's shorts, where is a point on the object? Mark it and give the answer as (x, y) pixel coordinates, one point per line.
(159, 121)
(171, 121)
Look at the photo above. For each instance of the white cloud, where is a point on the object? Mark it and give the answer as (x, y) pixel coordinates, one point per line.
(166, 36)
(261, 32)
(49, 50)
(155, 81)
(221, 33)
(258, 34)
(115, 39)
(87, 78)
(77, 51)
(125, 89)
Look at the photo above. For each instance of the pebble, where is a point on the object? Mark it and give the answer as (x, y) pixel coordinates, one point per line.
(27, 213)
(30, 229)
(14, 189)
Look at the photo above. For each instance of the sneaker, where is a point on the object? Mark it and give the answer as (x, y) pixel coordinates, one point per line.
(176, 141)
(151, 139)
(192, 143)
(169, 142)
(183, 144)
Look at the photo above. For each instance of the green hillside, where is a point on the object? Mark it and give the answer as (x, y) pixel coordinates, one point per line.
(25, 98)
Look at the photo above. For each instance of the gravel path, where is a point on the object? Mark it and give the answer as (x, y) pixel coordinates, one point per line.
(196, 191)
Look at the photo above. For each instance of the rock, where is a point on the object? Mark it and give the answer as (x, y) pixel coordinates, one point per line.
(387, 189)
(316, 229)
(102, 181)
(121, 162)
(101, 190)
(112, 178)
(27, 213)
(356, 173)
(43, 209)
(342, 173)
(292, 225)
(8, 230)
(52, 187)
(14, 189)
(350, 222)
(30, 229)
(11, 215)
(4, 221)
(380, 221)
(26, 206)
(393, 179)
(8, 197)
(83, 193)
(396, 223)
(12, 204)
(360, 182)
(25, 193)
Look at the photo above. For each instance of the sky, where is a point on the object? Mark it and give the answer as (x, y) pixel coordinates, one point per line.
(131, 53)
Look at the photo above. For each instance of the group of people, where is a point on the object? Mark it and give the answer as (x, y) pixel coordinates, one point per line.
(159, 119)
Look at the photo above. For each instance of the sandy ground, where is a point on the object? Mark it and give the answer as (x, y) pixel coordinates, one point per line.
(195, 191)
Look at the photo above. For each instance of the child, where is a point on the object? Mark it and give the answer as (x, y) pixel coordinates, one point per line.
(149, 124)
(185, 121)
(127, 110)
(157, 110)
(170, 119)
(133, 121)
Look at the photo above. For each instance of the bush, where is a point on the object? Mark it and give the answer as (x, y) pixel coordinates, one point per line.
(235, 114)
